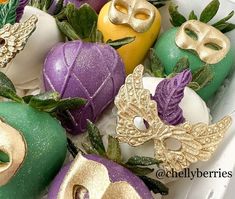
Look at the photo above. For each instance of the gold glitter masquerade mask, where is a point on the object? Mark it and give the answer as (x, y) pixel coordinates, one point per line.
(13, 144)
(198, 141)
(138, 14)
(13, 39)
(89, 177)
(210, 44)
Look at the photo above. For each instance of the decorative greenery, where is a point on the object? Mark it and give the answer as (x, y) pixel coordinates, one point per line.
(120, 42)
(81, 23)
(42, 4)
(48, 102)
(181, 65)
(8, 12)
(210, 11)
(155, 185)
(201, 77)
(153, 64)
(137, 164)
(177, 19)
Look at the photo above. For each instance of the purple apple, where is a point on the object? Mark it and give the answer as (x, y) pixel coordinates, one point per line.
(92, 71)
(116, 173)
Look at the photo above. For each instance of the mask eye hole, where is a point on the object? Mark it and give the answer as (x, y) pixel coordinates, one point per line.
(141, 124)
(172, 144)
(192, 34)
(213, 46)
(2, 42)
(80, 192)
(4, 158)
(121, 8)
(142, 15)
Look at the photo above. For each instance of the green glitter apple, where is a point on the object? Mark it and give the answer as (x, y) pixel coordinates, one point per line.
(201, 43)
(33, 144)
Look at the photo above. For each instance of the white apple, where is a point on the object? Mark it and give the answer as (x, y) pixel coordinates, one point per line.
(194, 111)
(219, 187)
(25, 69)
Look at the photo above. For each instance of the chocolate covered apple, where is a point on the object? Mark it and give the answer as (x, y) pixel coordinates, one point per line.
(139, 19)
(92, 176)
(200, 43)
(168, 100)
(93, 71)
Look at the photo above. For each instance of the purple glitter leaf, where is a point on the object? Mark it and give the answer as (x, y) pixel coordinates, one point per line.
(169, 94)
(20, 9)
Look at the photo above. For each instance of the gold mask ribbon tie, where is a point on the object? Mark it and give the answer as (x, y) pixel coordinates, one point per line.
(198, 141)
(13, 39)
(210, 44)
(94, 178)
(13, 144)
(133, 8)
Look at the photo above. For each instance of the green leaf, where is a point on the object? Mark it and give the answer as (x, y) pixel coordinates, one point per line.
(210, 11)
(8, 93)
(192, 16)
(222, 21)
(96, 35)
(35, 3)
(194, 85)
(70, 103)
(203, 76)
(27, 98)
(82, 20)
(95, 138)
(120, 42)
(181, 65)
(45, 102)
(155, 186)
(177, 19)
(7, 89)
(72, 148)
(8, 12)
(89, 149)
(155, 65)
(222, 26)
(229, 28)
(61, 16)
(114, 150)
(5, 81)
(45, 5)
(67, 30)
(140, 171)
(142, 161)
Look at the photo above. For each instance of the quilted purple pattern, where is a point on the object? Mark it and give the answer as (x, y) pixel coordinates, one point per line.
(94, 72)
